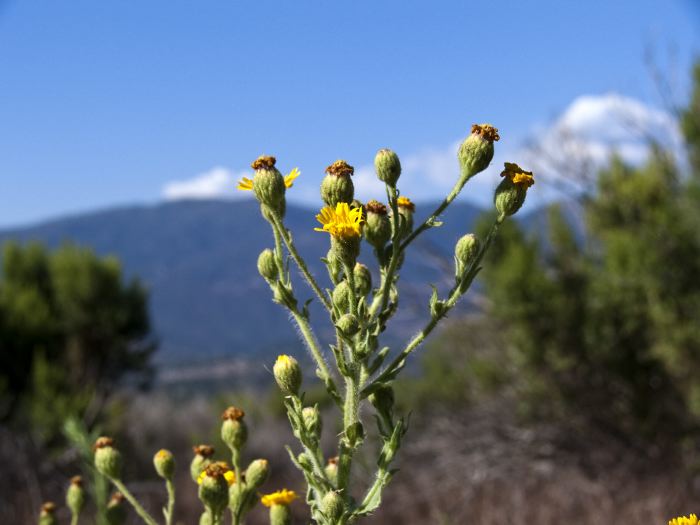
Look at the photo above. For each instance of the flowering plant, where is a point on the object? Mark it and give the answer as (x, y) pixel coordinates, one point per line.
(358, 371)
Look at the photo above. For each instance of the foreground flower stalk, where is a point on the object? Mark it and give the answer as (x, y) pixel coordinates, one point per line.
(357, 372)
(360, 314)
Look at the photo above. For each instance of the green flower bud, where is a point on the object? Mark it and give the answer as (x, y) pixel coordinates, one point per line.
(383, 400)
(46, 516)
(377, 228)
(213, 489)
(476, 152)
(257, 472)
(332, 506)
(234, 431)
(331, 470)
(116, 510)
(280, 515)
(346, 250)
(406, 211)
(75, 495)
(267, 265)
(387, 166)
(312, 420)
(335, 267)
(341, 296)
(108, 460)
(164, 463)
(511, 192)
(268, 184)
(348, 325)
(337, 185)
(363, 279)
(287, 373)
(201, 460)
(305, 461)
(466, 250)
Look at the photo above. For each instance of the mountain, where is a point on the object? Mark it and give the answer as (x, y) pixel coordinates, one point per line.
(198, 258)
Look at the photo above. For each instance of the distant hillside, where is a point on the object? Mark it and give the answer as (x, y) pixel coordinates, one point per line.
(199, 260)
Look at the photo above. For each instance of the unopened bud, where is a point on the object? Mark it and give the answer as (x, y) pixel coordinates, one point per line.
(47, 514)
(164, 463)
(213, 489)
(337, 185)
(406, 210)
(377, 228)
(108, 460)
(332, 470)
(267, 265)
(348, 325)
(511, 192)
(363, 279)
(202, 459)
(387, 166)
(466, 250)
(116, 510)
(476, 152)
(257, 472)
(332, 506)
(287, 373)
(234, 431)
(312, 420)
(75, 495)
(268, 184)
(341, 296)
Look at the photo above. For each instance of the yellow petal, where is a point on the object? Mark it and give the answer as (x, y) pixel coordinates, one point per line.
(245, 184)
(289, 179)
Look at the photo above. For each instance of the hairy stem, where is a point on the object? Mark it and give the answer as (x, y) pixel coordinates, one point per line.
(143, 514)
(278, 224)
(170, 487)
(457, 291)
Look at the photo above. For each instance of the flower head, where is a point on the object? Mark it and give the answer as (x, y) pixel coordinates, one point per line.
(517, 175)
(682, 520)
(281, 497)
(218, 469)
(246, 184)
(342, 222)
(405, 202)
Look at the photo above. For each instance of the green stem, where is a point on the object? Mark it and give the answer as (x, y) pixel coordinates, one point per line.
(307, 332)
(170, 487)
(456, 189)
(457, 291)
(278, 224)
(143, 514)
(382, 299)
(74, 518)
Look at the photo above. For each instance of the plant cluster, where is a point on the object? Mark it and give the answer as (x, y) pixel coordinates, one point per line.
(357, 370)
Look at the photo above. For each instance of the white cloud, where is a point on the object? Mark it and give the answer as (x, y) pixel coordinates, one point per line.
(218, 182)
(593, 128)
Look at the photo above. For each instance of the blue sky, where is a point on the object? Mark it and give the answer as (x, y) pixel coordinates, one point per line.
(105, 103)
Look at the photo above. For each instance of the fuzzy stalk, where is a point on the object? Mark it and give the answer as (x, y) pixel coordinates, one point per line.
(143, 514)
(170, 508)
(454, 295)
(381, 301)
(278, 224)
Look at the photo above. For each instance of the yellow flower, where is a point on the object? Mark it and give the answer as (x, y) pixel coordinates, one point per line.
(220, 468)
(405, 202)
(682, 520)
(342, 223)
(281, 497)
(517, 175)
(246, 184)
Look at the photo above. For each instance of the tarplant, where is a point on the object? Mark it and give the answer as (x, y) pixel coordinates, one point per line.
(357, 371)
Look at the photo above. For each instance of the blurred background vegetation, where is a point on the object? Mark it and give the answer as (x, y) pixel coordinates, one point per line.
(570, 393)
